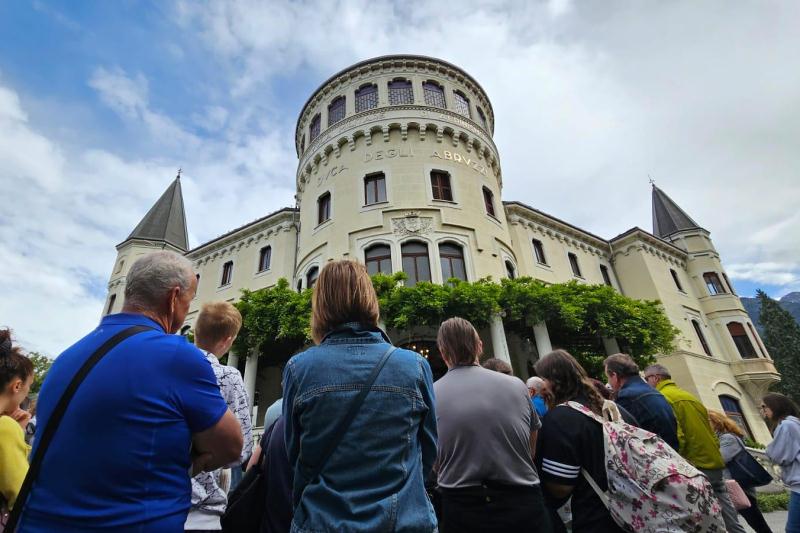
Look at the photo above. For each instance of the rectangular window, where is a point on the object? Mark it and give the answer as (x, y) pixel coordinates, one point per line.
(482, 117)
(227, 274)
(461, 104)
(324, 208)
(111, 304)
(488, 201)
(440, 184)
(728, 283)
(699, 331)
(758, 339)
(313, 132)
(400, 92)
(713, 283)
(264, 258)
(366, 98)
(573, 262)
(741, 340)
(374, 189)
(606, 277)
(676, 280)
(538, 249)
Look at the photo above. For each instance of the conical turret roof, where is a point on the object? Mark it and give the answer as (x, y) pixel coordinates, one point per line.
(166, 220)
(668, 218)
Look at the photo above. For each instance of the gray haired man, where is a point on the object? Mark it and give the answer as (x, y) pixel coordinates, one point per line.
(144, 415)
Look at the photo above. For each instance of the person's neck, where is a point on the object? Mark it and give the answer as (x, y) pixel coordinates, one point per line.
(159, 319)
(216, 352)
(4, 404)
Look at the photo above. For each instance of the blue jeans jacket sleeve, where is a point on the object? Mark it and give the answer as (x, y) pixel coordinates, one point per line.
(291, 429)
(427, 430)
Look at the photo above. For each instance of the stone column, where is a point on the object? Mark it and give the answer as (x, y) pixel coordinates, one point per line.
(250, 373)
(499, 343)
(542, 338)
(611, 345)
(233, 359)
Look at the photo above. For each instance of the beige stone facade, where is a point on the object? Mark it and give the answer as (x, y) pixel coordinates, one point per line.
(397, 168)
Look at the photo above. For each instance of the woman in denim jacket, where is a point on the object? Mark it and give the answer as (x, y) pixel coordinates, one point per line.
(374, 479)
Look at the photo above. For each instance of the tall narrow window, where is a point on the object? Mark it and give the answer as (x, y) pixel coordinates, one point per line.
(758, 339)
(604, 273)
(227, 274)
(728, 283)
(461, 104)
(264, 258)
(400, 92)
(302, 144)
(324, 208)
(111, 302)
(434, 94)
(336, 110)
(573, 262)
(366, 98)
(313, 130)
(440, 185)
(482, 118)
(713, 283)
(676, 279)
(378, 259)
(538, 250)
(733, 410)
(375, 188)
(197, 291)
(699, 330)
(415, 263)
(311, 277)
(510, 270)
(488, 201)
(741, 340)
(452, 257)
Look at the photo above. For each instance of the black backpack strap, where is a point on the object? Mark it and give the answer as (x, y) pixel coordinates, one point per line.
(55, 419)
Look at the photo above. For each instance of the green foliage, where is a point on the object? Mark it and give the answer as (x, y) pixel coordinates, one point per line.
(41, 365)
(782, 340)
(769, 503)
(750, 443)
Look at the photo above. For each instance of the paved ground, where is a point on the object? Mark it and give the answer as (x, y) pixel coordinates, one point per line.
(776, 521)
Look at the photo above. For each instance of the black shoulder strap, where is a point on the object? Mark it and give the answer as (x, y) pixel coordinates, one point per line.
(58, 413)
(351, 414)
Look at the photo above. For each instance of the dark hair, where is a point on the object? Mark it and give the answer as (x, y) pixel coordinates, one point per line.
(781, 406)
(567, 379)
(621, 364)
(12, 363)
(498, 365)
(601, 388)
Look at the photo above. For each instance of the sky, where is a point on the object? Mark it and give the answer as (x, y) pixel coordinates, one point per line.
(102, 102)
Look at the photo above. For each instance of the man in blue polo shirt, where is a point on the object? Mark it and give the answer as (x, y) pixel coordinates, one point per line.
(121, 457)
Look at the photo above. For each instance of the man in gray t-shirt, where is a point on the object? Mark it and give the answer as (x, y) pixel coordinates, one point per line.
(487, 433)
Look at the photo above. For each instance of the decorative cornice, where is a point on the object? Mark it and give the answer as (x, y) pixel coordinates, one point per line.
(517, 213)
(638, 239)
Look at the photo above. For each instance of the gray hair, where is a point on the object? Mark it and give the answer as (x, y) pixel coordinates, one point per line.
(153, 275)
(535, 383)
(657, 369)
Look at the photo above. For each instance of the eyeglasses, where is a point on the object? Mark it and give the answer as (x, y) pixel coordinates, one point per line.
(650, 376)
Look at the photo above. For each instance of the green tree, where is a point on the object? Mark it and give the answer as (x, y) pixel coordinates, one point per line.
(782, 339)
(41, 365)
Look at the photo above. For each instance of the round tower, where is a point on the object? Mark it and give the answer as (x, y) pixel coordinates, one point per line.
(397, 169)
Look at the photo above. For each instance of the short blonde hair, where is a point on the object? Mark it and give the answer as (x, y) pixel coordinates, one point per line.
(458, 339)
(217, 321)
(343, 293)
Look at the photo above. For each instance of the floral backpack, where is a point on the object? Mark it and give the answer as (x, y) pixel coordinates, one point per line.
(650, 487)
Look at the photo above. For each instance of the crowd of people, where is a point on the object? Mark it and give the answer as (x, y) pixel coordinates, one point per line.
(141, 430)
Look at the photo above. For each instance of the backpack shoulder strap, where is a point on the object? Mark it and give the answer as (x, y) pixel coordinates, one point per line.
(592, 483)
(58, 413)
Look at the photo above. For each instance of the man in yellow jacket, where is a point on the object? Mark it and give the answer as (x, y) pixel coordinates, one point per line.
(698, 442)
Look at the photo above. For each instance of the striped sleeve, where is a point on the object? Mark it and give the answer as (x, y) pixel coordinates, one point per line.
(559, 447)
(554, 468)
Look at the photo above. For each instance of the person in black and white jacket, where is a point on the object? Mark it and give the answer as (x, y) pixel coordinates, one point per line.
(216, 329)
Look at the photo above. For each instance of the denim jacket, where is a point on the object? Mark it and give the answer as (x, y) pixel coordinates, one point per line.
(374, 480)
(650, 408)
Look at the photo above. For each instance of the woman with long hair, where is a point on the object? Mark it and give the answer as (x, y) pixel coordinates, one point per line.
(730, 445)
(784, 416)
(16, 377)
(368, 472)
(570, 442)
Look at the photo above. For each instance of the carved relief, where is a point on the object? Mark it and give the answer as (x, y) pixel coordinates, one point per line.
(412, 224)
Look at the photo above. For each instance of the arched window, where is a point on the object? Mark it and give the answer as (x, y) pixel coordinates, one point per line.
(510, 270)
(758, 339)
(366, 97)
(741, 340)
(378, 259)
(699, 330)
(452, 257)
(336, 110)
(733, 410)
(302, 144)
(434, 94)
(313, 130)
(111, 302)
(311, 277)
(488, 201)
(324, 208)
(264, 258)
(461, 104)
(676, 279)
(227, 274)
(400, 92)
(415, 262)
(713, 283)
(538, 250)
(482, 118)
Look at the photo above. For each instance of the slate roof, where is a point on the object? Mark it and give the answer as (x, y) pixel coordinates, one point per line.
(166, 220)
(668, 218)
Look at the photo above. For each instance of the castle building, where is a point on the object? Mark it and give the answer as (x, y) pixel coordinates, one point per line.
(397, 168)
